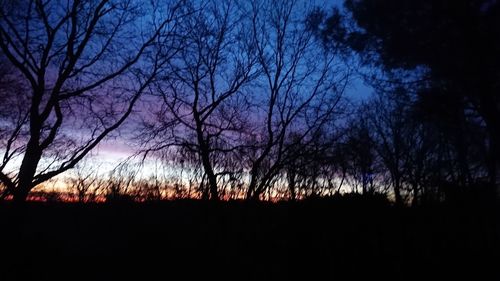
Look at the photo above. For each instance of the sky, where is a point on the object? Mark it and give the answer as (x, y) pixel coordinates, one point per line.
(115, 150)
(112, 151)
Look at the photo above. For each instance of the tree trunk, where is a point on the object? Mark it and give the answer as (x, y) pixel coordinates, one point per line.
(252, 185)
(291, 184)
(397, 192)
(20, 196)
(27, 171)
(414, 200)
(212, 180)
(204, 153)
(209, 172)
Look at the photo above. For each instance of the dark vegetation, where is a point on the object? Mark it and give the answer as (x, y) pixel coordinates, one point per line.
(339, 237)
(248, 100)
(264, 167)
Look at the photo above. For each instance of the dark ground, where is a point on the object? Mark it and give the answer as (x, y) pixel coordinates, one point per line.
(311, 240)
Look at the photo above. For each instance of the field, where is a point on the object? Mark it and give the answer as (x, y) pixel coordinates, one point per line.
(309, 240)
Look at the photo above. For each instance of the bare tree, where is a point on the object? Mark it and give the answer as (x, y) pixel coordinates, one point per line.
(202, 103)
(360, 154)
(242, 95)
(299, 92)
(12, 117)
(120, 183)
(84, 181)
(84, 65)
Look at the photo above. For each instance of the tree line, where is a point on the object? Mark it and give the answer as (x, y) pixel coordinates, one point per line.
(248, 99)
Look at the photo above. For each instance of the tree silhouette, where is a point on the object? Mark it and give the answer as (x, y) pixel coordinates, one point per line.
(250, 79)
(84, 183)
(200, 96)
(300, 90)
(78, 72)
(449, 49)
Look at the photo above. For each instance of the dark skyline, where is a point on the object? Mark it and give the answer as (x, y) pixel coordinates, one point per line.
(249, 139)
(254, 97)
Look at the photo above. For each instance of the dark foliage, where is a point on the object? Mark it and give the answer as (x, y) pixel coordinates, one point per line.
(444, 56)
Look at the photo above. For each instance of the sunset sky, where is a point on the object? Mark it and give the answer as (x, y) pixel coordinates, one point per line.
(114, 150)
(318, 78)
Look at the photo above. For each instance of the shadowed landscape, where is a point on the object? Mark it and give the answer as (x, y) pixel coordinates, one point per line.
(344, 238)
(249, 140)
